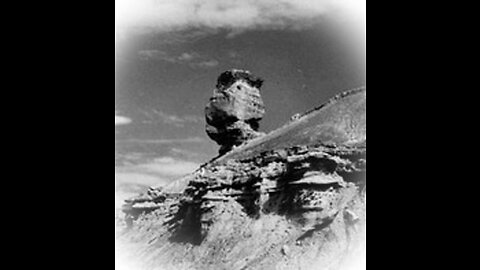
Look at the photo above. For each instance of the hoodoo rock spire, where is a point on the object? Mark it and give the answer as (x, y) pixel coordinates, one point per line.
(235, 109)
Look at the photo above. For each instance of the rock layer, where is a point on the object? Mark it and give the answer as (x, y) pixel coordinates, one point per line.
(275, 206)
(234, 111)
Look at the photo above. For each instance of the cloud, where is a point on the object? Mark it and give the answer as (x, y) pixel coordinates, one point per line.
(192, 59)
(169, 166)
(156, 55)
(122, 120)
(205, 64)
(233, 15)
(163, 141)
(164, 168)
(127, 181)
(186, 56)
(158, 116)
(129, 184)
(185, 152)
(131, 180)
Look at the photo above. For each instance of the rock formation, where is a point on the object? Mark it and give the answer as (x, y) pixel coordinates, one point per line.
(293, 199)
(234, 111)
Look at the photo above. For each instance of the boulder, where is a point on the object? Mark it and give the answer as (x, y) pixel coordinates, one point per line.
(235, 109)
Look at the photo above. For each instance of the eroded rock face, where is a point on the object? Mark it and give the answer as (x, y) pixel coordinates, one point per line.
(234, 111)
(244, 214)
(275, 206)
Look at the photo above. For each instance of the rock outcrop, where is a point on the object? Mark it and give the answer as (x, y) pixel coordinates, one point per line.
(234, 111)
(292, 199)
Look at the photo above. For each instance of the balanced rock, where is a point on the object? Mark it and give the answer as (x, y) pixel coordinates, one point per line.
(235, 109)
(292, 199)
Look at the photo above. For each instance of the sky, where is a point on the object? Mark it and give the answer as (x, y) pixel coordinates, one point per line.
(168, 55)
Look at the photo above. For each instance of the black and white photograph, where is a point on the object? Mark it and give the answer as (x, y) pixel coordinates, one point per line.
(240, 134)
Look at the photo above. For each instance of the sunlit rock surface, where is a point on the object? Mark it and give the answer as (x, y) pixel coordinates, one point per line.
(292, 199)
(235, 109)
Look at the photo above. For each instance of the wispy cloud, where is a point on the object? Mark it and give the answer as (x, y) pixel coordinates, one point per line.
(131, 180)
(162, 141)
(192, 59)
(185, 152)
(168, 166)
(187, 56)
(162, 167)
(122, 120)
(157, 116)
(156, 55)
(205, 64)
(131, 183)
(167, 15)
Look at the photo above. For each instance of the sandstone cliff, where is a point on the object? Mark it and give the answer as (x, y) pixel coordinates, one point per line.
(292, 199)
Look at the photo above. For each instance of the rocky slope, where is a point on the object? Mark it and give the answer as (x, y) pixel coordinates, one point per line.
(292, 199)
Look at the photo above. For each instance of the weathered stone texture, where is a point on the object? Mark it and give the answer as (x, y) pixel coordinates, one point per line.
(295, 200)
(234, 111)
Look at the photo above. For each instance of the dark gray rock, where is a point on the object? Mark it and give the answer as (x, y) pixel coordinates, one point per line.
(235, 109)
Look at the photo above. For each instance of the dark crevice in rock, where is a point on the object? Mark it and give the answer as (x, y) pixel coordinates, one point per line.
(227, 78)
(189, 230)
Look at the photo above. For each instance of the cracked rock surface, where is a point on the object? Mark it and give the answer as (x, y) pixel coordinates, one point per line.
(235, 109)
(292, 199)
